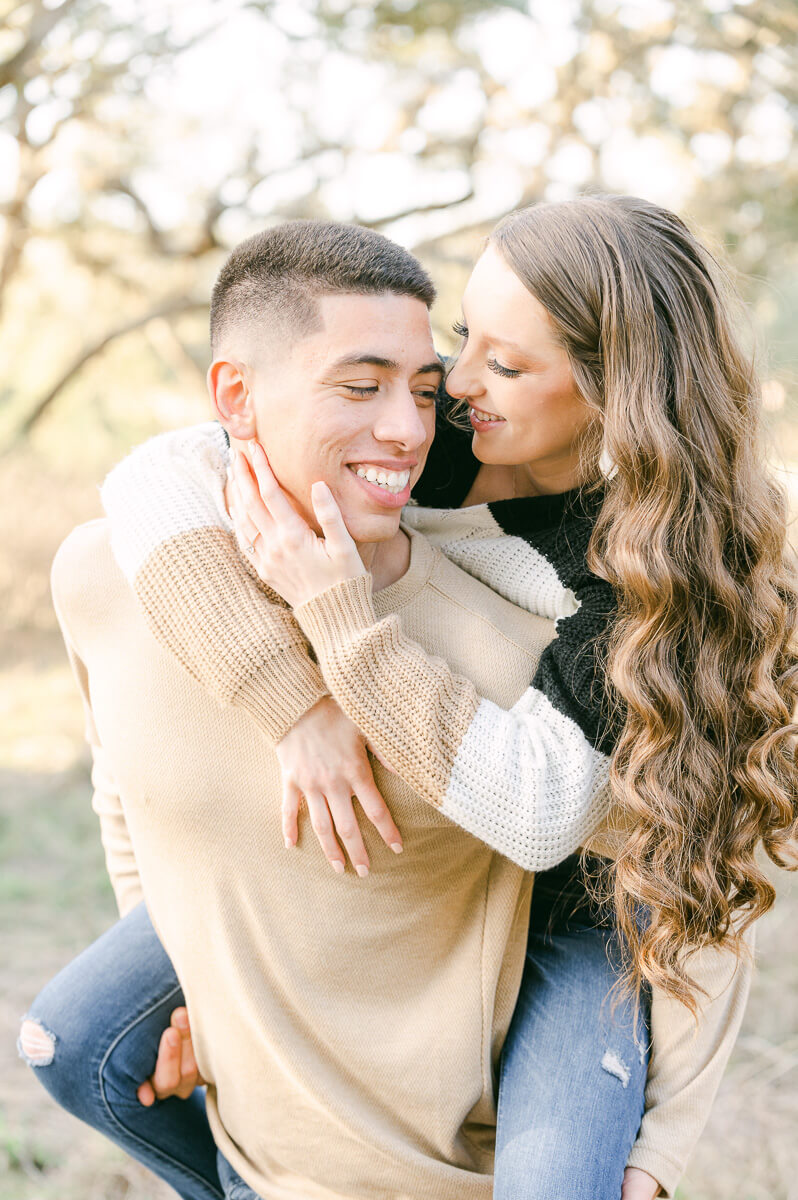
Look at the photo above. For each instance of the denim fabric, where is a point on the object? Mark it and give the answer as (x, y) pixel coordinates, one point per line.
(106, 1011)
(573, 1070)
(233, 1184)
(566, 1122)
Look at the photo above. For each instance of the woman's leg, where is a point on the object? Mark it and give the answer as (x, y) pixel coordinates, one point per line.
(573, 1071)
(92, 1037)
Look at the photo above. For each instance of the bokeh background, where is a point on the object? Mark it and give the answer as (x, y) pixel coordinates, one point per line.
(138, 142)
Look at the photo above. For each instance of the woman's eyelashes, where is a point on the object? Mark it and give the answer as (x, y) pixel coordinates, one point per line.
(506, 372)
(498, 369)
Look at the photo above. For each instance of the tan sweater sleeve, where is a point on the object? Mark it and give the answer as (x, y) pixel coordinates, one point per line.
(120, 859)
(687, 1062)
(172, 538)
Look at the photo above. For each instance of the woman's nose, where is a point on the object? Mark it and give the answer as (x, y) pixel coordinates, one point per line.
(460, 382)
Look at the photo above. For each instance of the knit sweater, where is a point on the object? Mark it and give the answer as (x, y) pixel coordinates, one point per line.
(529, 779)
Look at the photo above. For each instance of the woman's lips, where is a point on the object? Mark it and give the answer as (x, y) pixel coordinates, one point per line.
(483, 426)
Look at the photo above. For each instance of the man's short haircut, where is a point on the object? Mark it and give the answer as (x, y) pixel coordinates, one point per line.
(274, 278)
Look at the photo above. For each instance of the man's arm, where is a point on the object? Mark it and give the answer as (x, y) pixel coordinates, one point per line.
(119, 855)
(687, 1061)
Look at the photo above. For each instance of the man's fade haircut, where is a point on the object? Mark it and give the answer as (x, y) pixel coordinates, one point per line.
(275, 277)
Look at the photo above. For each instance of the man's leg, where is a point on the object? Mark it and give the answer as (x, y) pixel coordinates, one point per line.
(92, 1036)
(233, 1184)
(573, 1072)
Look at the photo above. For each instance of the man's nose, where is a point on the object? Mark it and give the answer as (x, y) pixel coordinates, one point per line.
(400, 421)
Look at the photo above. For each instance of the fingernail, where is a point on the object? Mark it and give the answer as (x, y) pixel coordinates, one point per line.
(362, 871)
(397, 847)
(288, 843)
(181, 1020)
(338, 867)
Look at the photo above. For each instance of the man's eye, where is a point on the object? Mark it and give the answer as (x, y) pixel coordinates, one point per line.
(460, 329)
(498, 369)
(361, 391)
(428, 396)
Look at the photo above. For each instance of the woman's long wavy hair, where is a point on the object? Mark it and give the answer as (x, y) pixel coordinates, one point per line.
(701, 659)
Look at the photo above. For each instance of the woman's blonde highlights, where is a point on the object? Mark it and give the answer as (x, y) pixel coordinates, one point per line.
(701, 662)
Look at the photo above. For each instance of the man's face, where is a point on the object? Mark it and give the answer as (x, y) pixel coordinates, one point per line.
(352, 404)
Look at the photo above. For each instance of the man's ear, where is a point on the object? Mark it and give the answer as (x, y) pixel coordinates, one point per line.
(231, 398)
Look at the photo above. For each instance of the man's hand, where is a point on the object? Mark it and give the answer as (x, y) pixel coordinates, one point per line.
(638, 1185)
(176, 1072)
(324, 758)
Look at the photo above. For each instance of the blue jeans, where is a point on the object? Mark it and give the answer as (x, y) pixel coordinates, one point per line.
(571, 1084)
(573, 1070)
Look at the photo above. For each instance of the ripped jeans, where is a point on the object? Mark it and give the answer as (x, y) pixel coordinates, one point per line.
(572, 1072)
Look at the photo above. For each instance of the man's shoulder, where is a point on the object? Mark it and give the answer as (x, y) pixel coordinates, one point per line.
(83, 571)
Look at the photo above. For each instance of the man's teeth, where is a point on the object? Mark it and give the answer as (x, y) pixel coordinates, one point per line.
(482, 416)
(393, 481)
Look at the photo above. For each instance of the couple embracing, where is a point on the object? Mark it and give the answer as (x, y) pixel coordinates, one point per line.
(523, 645)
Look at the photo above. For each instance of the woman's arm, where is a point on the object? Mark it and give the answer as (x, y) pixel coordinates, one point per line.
(171, 536)
(528, 780)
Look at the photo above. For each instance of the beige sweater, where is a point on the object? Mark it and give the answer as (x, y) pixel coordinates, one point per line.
(322, 1006)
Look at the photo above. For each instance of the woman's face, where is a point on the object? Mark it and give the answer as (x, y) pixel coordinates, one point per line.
(516, 377)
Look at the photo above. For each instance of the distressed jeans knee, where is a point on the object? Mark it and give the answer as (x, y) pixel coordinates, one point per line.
(36, 1044)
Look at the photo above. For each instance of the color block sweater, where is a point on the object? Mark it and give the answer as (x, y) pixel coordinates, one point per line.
(529, 779)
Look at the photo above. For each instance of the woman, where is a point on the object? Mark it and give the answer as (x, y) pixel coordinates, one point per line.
(629, 347)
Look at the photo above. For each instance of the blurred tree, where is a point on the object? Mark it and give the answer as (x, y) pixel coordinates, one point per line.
(150, 138)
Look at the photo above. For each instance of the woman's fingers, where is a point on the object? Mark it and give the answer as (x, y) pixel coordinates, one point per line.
(246, 530)
(348, 830)
(371, 801)
(263, 483)
(322, 824)
(251, 511)
(292, 799)
(336, 535)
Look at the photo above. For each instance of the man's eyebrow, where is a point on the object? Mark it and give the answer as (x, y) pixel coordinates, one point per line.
(364, 360)
(387, 364)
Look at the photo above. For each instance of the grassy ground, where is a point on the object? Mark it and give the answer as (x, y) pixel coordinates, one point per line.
(54, 898)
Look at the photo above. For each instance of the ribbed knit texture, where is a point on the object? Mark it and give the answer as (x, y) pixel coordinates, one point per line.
(201, 597)
(530, 779)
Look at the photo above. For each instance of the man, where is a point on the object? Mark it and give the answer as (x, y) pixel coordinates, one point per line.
(322, 1014)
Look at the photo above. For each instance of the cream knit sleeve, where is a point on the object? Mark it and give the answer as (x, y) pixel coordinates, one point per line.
(525, 780)
(173, 540)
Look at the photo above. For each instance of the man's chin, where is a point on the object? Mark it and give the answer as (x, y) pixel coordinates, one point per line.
(372, 527)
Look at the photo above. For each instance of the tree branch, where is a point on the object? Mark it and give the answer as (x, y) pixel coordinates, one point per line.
(170, 308)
